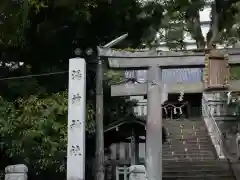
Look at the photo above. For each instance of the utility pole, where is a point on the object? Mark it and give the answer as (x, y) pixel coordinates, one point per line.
(99, 112)
(154, 125)
(99, 122)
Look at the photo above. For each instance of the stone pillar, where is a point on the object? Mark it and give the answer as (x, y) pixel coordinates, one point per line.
(16, 172)
(154, 125)
(216, 77)
(216, 71)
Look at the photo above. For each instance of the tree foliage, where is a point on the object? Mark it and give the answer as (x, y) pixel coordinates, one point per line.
(35, 130)
(185, 15)
(34, 110)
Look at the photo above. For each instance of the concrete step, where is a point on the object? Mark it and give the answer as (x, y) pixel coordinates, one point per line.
(185, 131)
(184, 121)
(186, 128)
(189, 134)
(191, 153)
(171, 154)
(188, 150)
(203, 173)
(182, 151)
(184, 124)
(218, 163)
(187, 141)
(188, 138)
(191, 168)
(188, 153)
(196, 170)
(192, 134)
(179, 154)
(187, 145)
(189, 158)
(208, 177)
(190, 141)
(169, 127)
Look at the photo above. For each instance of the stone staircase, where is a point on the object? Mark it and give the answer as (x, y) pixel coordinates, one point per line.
(189, 153)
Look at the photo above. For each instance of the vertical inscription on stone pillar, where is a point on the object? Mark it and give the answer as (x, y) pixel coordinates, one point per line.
(76, 119)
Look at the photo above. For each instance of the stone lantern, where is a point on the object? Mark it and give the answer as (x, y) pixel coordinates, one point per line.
(216, 71)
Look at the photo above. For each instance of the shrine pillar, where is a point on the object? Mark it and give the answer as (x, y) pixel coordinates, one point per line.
(216, 79)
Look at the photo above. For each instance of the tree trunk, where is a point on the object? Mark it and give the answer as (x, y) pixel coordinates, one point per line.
(197, 31)
(213, 34)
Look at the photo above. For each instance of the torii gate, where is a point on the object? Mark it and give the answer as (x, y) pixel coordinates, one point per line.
(154, 61)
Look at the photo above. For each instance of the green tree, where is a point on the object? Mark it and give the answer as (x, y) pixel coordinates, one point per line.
(49, 31)
(34, 130)
(185, 15)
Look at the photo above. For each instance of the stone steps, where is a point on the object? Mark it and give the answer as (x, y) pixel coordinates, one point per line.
(190, 155)
(184, 136)
(187, 152)
(196, 141)
(192, 168)
(203, 173)
(187, 158)
(192, 146)
(207, 177)
(205, 170)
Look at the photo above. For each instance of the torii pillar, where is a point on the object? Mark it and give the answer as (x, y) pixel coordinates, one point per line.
(154, 125)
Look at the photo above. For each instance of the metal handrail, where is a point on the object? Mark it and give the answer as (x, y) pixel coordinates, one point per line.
(213, 129)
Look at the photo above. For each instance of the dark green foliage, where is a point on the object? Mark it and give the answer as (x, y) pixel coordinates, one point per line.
(43, 36)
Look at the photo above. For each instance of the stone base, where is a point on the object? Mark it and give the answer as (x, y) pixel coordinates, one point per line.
(16, 172)
(137, 172)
